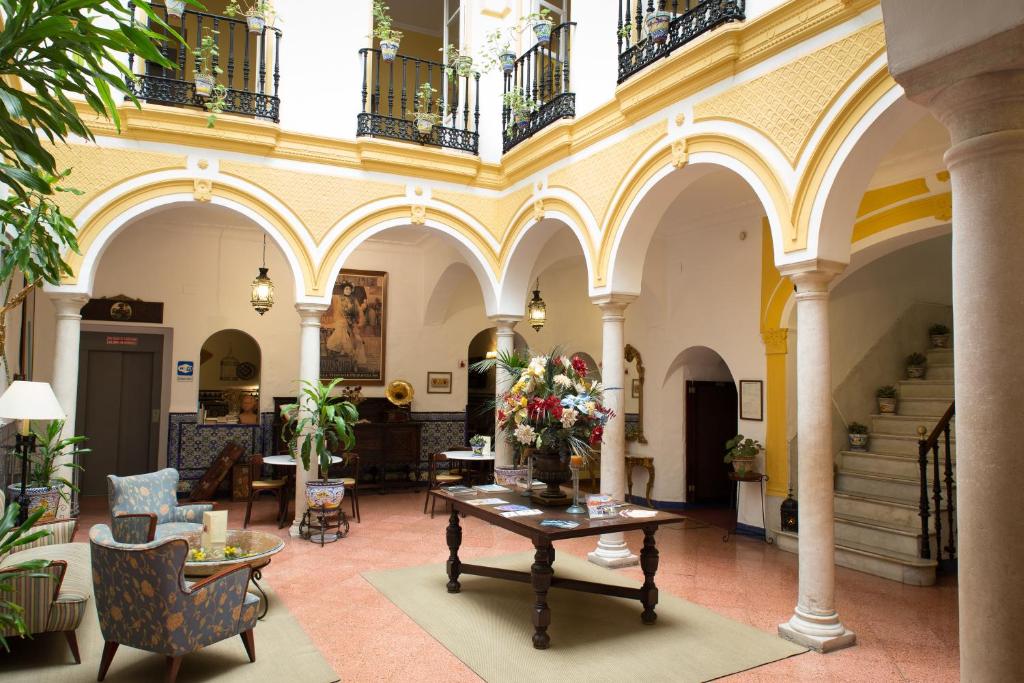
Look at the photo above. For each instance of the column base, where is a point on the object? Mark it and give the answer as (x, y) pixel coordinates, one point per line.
(612, 552)
(820, 633)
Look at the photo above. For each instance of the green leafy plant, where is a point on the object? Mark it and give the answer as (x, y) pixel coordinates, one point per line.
(532, 18)
(888, 391)
(626, 30)
(427, 106)
(206, 54)
(520, 104)
(456, 63)
(477, 440)
(742, 448)
(857, 428)
(51, 452)
(382, 23)
(496, 44)
(938, 329)
(252, 8)
(322, 422)
(917, 360)
(11, 537)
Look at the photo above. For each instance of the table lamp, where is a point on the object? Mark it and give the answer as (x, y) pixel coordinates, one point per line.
(27, 401)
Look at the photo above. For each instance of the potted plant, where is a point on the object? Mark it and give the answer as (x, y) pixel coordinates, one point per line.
(456, 62)
(742, 452)
(477, 443)
(424, 117)
(205, 77)
(498, 52)
(256, 13)
(175, 8)
(388, 37)
(657, 24)
(626, 30)
(917, 364)
(45, 485)
(858, 435)
(886, 399)
(323, 423)
(552, 411)
(938, 335)
(541, 24)
(521, 107)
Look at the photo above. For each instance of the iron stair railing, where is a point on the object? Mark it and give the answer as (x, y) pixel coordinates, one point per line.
(930, 445)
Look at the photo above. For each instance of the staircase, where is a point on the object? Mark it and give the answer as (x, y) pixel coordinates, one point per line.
(878, 491)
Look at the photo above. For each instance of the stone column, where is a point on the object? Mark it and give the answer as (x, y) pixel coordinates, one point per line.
(309, 370)
(503, 450)
(815, 622)
(67, 339)
(612, 550)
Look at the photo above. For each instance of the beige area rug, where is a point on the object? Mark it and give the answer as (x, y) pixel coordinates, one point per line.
(593, 637)
(283, 653)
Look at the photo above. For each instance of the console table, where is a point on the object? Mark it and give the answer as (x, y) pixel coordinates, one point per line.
(647, 462)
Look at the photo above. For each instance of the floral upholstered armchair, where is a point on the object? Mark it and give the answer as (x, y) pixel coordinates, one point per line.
(143, 601)
(145, 506)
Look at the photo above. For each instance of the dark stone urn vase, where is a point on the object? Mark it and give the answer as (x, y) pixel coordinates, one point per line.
(551, 466)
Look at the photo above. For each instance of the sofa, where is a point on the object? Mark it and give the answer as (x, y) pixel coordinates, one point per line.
(144, 507)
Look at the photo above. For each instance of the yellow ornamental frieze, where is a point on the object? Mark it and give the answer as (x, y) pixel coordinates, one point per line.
(96, 169)
(787, 104)
(320, 201)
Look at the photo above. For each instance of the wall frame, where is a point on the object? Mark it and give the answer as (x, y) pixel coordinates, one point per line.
(439, 382)
(752, 400)
(353, 330)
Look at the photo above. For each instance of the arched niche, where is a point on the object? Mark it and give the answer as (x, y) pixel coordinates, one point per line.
(481, 385)
(229, 378)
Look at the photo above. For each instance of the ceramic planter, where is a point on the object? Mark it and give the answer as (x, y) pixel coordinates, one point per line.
(424, 124)
(255, 22)
(39, 496)
(510, 476)
(521, 118)
(388, 50)
(916, 371)
(939, 341)
(887, 405)
(478, 449)
(858, 442)
(657, 24)
(743, 465)
(463, 65)
(204, 84)
(508, 61)
(175, 8)
(542, 29)
(327, 495)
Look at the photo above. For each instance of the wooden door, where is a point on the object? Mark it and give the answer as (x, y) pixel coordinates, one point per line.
(118, 405)
(710, 422)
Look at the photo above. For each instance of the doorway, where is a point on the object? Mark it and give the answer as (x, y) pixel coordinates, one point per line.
(481, 385)
(710, 422)
(119, 386)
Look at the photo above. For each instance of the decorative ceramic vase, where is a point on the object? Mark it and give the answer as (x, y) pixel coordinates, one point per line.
(463, 65)
(552, 468)
(388, 50)
(542, 29)
(255, 22)
(204, 84)
(478, 449)
(858, 442)
(424, 124)
(916, 371)
(657, 24)
(510, 476)
(327, 495)
(521, 118)
(175, 8)
(743, 464)
(939, 341)
(508, 61)
(39, 496)
(887, 405)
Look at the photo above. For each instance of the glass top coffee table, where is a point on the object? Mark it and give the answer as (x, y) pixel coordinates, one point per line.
(243, 547)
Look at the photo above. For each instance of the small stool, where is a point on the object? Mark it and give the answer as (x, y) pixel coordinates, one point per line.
(739, 479)
(325, 520)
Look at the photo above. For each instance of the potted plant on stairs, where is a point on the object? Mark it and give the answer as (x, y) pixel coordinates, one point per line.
(388, 37)
(46, 486)
(938, 336)
(917, 365)
(858, 436)
(742, 452)
(256, 13)
(319, 425)
(886, 399)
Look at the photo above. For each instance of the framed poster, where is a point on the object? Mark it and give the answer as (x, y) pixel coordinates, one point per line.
(353, 330)
(751, 399)
(439, 382)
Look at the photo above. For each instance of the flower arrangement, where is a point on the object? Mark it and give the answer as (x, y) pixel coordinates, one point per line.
(551, 405)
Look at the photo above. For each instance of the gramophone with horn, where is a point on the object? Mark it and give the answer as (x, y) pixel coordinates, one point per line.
(399, 393)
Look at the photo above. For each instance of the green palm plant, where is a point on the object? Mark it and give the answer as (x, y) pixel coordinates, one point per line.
(324, 420)
(51, 449)
(11, 537)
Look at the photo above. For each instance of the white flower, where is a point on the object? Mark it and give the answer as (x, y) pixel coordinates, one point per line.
(536, 366)
(566, 363)
(525, 434)
(569, 418)
(590, 407)
(563, 381)
(581, 387)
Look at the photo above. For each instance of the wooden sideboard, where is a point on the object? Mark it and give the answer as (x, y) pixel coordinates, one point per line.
(388, 443)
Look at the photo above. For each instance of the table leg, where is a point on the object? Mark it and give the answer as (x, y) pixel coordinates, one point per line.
(540, 576)
(255, 578)
(629, 479)
(454, 537)
(649, 565)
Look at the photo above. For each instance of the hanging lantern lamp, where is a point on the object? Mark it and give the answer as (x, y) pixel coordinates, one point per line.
(263, 287)
(538, 310)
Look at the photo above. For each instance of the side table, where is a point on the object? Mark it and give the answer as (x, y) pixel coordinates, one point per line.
(749, 477)
(647, 462)
(317, 523)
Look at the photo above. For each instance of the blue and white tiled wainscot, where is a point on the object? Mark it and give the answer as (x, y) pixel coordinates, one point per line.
(191, 447)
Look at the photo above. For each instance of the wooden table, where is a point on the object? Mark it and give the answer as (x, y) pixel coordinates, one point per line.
(647, 462)
(468, 457)
(541, 574)
(286, 460)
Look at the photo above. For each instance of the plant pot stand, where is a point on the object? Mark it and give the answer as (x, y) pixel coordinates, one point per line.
(749, 477)
(317, 524)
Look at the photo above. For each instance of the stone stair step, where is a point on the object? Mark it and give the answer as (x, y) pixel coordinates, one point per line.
(877, 509)
(903, 445)
(906, 425)
(940, 356)
(882, 538)
(908, 569)
(922, 407)
(888, 464)
(939, 371)
(870, 484)
(926, 388)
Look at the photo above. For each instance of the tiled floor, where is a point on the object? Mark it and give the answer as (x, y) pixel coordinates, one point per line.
(903, 633)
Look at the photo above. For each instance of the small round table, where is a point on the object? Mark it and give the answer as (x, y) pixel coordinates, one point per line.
(287, 460)
(258, 547)
(470, 456)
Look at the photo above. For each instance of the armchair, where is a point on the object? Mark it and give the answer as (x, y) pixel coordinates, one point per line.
(143, 601)
(145, 506)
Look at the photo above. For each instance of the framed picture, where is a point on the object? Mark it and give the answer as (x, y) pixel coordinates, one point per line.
(353, 330)
(439, 382)
(636, 388)
(751, 399)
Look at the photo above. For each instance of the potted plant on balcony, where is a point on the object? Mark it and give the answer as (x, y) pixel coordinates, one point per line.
(886, 399)
(917, 364)
(456, 62)
(541, 24)
(323, 423)
(657, 24)
(256, 13)
(858, 435)
(742, 452)
(388, 37)
(498, 52)
(521, 107)
(938, 336)
(45, 485)
(205, 78)
(424, 117)
(175, 8)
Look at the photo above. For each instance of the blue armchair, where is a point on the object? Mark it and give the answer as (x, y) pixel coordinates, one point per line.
(143, 601)
(145, 506)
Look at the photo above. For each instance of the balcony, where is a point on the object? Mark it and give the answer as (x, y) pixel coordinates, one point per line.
(542, 75)
(248, 72)
(389, 101)
(637, 50)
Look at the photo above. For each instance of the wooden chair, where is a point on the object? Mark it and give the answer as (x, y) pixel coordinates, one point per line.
(258, 485)
(352, 482)
(436, 479)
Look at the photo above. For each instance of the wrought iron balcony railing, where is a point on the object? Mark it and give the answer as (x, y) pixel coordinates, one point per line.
(390, 101)
(541, 75)
(249, 65)
(690, 18)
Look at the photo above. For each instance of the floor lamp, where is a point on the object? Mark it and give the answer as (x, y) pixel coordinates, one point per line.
(27, 401)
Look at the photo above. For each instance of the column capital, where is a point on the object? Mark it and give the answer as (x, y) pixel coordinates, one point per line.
(613, 305)
(68, 304)
(979, 107)
(310, 313)
(505, 321)
(812, 276)
(775, 340)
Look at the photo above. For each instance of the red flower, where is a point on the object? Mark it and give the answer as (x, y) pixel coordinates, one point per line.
(580, 366)
(556, 412)
(595, 436)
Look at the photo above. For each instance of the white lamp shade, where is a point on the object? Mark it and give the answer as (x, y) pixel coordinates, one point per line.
(30, 401)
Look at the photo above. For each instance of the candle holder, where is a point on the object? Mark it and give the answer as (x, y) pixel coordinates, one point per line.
(575, 508)
(528, 491)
